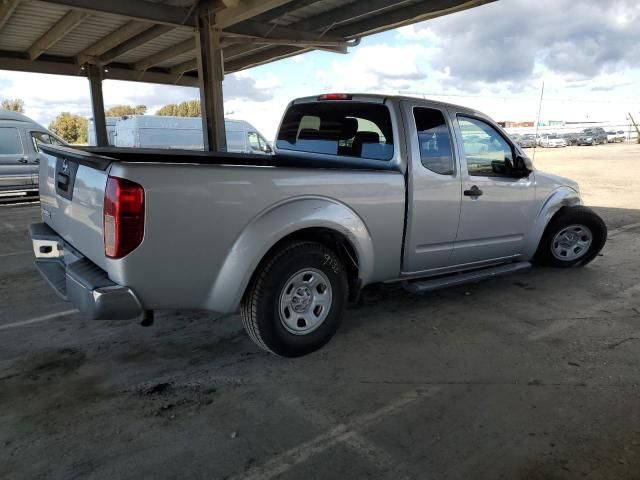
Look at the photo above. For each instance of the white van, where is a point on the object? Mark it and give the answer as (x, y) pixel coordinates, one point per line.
(154, 131)
(111, 131)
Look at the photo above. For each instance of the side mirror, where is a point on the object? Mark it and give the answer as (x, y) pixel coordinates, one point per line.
(267, 149)
(523, 166)
(524, 161)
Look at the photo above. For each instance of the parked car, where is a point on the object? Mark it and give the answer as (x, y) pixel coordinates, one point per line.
(615, 137)
(592, 136)
(20, 153)
(154, 131)
(551, 140)
(570, 138)
(527, 141)
(621, 136)
(362, 189)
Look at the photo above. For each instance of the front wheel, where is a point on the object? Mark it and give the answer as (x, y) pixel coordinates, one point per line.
(296, 300)
(574, 237)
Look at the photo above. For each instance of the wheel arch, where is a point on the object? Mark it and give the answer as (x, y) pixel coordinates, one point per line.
(318, 219)
(560, 198)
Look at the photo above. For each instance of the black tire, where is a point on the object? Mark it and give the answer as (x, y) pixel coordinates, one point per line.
(260, 308)
(566, 216)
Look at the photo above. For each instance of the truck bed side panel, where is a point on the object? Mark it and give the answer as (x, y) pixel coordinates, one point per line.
(195, 213)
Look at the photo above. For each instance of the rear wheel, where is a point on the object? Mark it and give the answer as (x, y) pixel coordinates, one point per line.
(574, 237)
(296, 300)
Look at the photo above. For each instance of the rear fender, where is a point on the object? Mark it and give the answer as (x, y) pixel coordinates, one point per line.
(274, 224)
(559, 198)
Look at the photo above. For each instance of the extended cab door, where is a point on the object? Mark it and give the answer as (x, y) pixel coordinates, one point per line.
(434, 189)
(498, 201)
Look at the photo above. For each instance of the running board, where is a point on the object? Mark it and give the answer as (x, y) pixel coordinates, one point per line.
(428, 285)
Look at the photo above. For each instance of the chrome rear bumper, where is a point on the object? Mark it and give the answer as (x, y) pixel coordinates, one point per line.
(78, 280)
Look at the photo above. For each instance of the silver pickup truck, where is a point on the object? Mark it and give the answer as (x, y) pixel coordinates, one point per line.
(362, 189)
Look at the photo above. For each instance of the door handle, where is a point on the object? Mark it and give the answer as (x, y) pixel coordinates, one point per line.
(473, 192)
(23, 160)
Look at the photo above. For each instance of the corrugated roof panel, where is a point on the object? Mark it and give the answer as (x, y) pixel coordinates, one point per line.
(185, 57)
(308, 11)
(159, 44)
(28, 23)
(92, 29)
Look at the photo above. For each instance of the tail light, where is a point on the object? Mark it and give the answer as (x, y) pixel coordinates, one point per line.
(335, 96)
(123, 220)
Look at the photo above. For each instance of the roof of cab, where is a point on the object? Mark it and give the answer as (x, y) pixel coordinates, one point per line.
(14, 116)
(380, 98)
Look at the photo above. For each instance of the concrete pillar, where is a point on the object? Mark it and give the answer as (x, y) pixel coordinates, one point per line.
(210, 75)
(94, 73)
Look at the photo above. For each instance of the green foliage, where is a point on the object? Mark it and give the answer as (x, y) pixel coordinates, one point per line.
(14, 104)
(189, 108)
(122, 110)
(72, 128)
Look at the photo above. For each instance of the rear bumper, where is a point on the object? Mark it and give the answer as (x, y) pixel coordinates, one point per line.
(78, 280)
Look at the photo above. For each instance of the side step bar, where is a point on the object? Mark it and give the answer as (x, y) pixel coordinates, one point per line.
(428, 285)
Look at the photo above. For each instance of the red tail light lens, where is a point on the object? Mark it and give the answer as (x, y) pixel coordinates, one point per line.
(123, 222)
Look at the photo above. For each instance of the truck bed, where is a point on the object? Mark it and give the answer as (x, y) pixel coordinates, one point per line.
(205, 211)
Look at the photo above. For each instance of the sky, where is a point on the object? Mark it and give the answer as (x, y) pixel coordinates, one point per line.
(494, 58)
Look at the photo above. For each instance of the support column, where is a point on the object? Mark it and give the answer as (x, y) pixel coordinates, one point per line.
(97, 105)
(210, 76)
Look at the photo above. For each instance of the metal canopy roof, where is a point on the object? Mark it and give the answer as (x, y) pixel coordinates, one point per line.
(154, 40)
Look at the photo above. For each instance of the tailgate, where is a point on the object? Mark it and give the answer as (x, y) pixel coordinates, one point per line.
(72, 185)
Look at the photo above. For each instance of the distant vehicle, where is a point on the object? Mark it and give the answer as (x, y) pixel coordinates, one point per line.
(570, 138)
(111, 131)
(19, 152)
(551, 140)
(527, 141)
(614, 137)
(621, 135)
(154, 131)
(592, 136)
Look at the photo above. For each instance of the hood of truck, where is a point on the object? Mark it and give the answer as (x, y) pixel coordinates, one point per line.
(551, 181)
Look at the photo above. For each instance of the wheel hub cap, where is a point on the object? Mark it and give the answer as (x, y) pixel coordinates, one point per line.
(571, 242)
(305, 301)
(301, 300)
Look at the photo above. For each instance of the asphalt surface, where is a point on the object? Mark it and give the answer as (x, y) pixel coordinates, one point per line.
(530, 376)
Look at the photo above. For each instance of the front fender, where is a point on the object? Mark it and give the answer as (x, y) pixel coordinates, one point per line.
(274, 224)
(559, 198)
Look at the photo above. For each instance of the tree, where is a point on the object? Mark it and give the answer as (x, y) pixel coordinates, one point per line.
(14, 105)
(190, 108)
(122, 110)
(72, 128)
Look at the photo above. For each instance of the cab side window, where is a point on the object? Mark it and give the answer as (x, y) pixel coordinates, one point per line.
(487, 153)
(254, 141)
(43, 137)
(10, 143)
(434, 141)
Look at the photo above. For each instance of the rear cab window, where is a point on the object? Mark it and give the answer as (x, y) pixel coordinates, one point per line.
(434, 141)
(344, 128)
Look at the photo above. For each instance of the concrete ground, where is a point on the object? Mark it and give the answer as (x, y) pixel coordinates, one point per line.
(532, 376)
